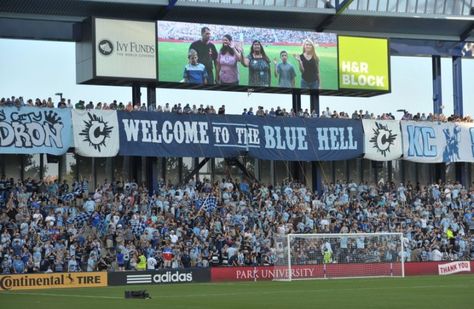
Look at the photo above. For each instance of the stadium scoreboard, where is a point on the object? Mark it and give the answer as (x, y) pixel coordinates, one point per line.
(129, 52)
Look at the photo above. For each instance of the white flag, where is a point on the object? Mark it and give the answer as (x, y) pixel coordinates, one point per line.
(382, 140)
(96, 133)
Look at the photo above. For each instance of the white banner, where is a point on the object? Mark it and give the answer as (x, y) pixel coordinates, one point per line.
(382, 140)
(454, 267)
(96, 133)
(433, 142)
(125, 48)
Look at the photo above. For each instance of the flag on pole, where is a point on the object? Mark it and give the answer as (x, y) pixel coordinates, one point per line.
(138, 228)
(80, 219)
(208, 204)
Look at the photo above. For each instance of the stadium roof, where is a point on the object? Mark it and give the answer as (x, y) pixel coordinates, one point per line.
(412, 19)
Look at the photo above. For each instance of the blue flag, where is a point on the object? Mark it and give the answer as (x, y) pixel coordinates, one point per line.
(208, 204)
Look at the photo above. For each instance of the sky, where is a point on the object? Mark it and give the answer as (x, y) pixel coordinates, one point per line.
(39, 69)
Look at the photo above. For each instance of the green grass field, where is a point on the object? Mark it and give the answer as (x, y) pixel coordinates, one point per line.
(173, 57)
(412, 292)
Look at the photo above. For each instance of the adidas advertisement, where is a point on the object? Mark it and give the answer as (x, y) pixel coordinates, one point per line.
(164, 276)
(125, 49)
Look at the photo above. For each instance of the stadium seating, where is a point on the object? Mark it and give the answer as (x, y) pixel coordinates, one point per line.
(49, 227)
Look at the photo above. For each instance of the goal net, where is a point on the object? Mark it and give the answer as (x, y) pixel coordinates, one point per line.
(325, 256)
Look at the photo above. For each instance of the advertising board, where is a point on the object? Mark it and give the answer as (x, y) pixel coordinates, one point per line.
(125, 49)
(52, 280)
(162, 276)
(364, 63)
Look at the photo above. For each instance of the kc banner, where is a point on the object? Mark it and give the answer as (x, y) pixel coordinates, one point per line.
(382, 140)
(29, 130)
(454, 267)
(293, 139)
(433, 142)
(96, 133)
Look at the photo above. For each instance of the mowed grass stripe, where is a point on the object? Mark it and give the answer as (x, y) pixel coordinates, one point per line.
(413, 292)
(275, 291)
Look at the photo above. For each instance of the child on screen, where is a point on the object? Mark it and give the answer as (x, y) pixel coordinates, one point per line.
(194, 72)
(284, 71)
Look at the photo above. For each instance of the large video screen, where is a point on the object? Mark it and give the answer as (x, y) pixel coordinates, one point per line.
(209, 54)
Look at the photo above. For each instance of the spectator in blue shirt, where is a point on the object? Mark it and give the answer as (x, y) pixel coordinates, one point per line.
(194, 72)
(120, 260)
(18, 265)
(89, 206)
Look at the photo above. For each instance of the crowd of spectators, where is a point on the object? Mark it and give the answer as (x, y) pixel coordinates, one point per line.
(54, 227)
(435, 117)
(190, 32)
(209, 109)
(276, 112)
(114, 105)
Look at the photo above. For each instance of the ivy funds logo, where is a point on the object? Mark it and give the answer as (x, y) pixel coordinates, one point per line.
(106, 47)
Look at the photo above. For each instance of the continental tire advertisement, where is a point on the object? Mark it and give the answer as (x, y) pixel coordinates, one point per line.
(52, 280)
(165, 276)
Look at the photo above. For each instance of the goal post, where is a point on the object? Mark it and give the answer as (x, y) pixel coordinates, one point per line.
(328, 256)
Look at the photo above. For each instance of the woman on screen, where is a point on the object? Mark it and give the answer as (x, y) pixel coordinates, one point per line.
(309, 66)
(226, 63)
(259, 66)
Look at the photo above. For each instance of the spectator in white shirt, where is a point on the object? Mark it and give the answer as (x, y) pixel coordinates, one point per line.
(151, 263)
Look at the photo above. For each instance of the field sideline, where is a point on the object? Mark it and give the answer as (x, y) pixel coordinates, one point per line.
(172, 57)
(411, 292)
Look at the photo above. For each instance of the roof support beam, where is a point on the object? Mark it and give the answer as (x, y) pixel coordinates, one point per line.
(171, 4)
(341, 6)
(39, 30)
(437, 90)
(164, 10)
(466, 33)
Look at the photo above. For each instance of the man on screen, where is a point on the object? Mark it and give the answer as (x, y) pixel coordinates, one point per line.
(206, 52)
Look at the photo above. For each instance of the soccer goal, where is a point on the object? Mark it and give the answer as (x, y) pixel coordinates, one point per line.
(326, 256)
